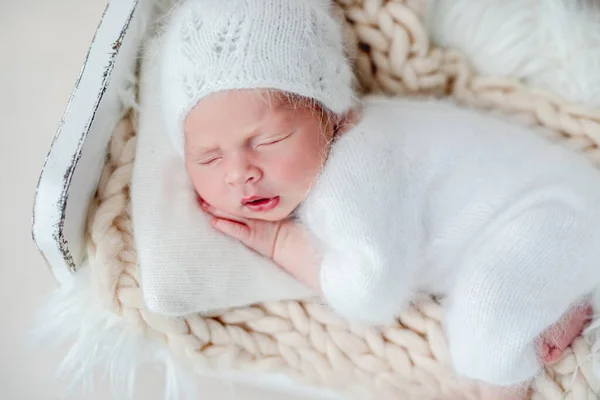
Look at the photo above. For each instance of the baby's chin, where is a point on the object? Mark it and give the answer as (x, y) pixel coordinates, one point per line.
(280, 212)
(272, 216)
(269, 218)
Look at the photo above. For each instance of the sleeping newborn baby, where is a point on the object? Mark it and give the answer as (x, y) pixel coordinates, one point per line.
(375, 203)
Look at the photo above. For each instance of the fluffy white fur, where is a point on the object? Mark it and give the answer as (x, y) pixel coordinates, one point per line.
(548, 44)
(106, 344)
(103, 341)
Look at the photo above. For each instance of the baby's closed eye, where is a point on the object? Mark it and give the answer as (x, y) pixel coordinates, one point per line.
(208, 159)
(273, 139)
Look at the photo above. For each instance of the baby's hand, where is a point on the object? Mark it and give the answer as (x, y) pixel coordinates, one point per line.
(260, 236)
(284, 242)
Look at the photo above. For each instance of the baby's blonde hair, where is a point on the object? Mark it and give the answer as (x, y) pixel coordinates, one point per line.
(295, 101)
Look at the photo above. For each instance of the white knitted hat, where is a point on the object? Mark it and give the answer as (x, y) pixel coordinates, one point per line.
(295, 46)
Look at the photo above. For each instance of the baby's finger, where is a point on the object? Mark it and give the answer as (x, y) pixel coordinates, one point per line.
(216, 212)
(236, 230)
(209, 209)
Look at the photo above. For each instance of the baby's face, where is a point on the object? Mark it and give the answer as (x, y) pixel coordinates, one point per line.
(254, 155)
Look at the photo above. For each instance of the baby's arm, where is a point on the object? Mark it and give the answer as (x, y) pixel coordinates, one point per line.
(284, 242)
(296, 251)
(364, 211)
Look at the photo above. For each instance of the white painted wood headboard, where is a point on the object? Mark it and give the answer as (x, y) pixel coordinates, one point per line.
(70, 174)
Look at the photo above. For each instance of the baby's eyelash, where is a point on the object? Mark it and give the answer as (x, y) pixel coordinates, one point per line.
(272, 141)
(275, 140)
(208, 161)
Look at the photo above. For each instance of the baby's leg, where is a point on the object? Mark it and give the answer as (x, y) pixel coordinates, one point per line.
(559, 336)
(550, 347)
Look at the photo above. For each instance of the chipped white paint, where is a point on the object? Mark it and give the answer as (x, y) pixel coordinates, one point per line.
(72, 169)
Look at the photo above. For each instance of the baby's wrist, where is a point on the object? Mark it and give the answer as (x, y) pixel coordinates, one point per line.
(295, 252)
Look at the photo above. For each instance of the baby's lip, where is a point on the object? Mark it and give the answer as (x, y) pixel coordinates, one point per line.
(247, 200)
(260, 204)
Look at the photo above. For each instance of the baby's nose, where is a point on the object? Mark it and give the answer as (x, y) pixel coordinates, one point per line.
(248, 174)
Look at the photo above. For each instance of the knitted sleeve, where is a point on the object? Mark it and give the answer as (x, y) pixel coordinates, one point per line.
(516, 280)
(369, 241)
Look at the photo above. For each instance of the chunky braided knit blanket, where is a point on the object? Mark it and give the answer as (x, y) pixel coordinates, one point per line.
(302, 339)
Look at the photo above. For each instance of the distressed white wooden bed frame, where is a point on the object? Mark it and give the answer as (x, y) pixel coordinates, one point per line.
(70, 174)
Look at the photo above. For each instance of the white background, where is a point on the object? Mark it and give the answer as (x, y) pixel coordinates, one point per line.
(42, 49)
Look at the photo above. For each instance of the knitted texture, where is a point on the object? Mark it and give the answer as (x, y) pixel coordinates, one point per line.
(407, 359)
(214, 45)
(500, 222)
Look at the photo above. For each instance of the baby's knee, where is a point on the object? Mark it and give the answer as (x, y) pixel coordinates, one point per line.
(485, 347)
(494, 364)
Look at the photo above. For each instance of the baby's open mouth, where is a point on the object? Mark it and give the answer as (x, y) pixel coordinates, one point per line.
(257, 204)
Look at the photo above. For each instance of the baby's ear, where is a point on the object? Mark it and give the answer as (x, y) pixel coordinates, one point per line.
(346, 121)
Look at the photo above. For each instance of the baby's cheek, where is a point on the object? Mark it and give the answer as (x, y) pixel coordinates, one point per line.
(197, 180)
(207, 187)
(300, 168)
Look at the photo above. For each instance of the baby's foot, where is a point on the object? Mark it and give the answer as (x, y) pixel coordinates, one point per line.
(559, 336)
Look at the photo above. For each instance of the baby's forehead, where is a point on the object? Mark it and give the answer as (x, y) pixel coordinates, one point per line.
(262, 102)
(275, 107)
(237, 114)
(279, 102)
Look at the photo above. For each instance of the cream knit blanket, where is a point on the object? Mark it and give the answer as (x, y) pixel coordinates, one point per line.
(406, 360)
